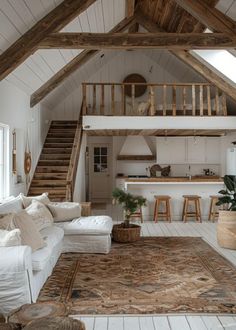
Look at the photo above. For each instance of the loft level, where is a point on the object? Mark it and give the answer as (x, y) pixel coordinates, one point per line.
(139, 99)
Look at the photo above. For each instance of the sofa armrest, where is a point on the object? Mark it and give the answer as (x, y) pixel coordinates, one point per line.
(85, 209)
(15, 259)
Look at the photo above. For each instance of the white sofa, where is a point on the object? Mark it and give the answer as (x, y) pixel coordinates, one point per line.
(23, 273)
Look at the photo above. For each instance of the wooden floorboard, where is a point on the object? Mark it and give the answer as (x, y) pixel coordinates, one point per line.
(205, 230)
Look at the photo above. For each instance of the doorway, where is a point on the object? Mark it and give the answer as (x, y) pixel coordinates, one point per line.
(100, 173)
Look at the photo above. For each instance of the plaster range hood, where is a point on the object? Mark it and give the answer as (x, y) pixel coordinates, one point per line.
(135, 147)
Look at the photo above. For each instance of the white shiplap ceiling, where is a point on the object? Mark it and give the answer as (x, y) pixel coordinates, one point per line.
(18, 16)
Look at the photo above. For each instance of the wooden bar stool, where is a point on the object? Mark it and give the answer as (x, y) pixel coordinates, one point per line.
(195, 199)
(165, 214)
(137, 215)
(213, 211)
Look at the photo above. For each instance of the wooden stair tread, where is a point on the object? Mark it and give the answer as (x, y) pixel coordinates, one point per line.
(46, 156)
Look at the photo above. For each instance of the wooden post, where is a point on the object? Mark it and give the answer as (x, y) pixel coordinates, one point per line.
(193, 100)
(164, 100)
(123, 100)
(217, 101)
(184, 100)
(152, 101)
(174, 100)
(94, 98)
(224, 104)
(113, 99)
(201, 100)
(133, 98)
(84, 99)
(209, 100)
(102, 101)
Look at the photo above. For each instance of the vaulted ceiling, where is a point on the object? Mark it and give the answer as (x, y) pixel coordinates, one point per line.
(18, 16)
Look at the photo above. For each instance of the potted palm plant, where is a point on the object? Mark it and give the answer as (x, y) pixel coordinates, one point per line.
(226, 228)
(127, 232)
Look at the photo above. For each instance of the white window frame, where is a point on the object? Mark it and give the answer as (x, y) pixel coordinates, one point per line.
(4, 148)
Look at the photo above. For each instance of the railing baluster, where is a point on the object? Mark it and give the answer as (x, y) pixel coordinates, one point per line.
(208, 100)
(113, 99)
(102, 101)
(84, 99)
(94, 98)
(224, 104)
(133, 98)
(201, 100)
(123, 100)
(217, 101)
(152, 101)
(174, 100)
(193, 100)
(164, 100)
(184, 100)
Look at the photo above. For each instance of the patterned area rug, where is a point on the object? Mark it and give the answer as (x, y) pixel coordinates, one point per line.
(153, 275)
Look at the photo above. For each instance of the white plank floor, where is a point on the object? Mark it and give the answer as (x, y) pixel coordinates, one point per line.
(205, 230)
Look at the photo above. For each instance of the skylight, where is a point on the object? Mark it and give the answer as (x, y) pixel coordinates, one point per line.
(222, 60)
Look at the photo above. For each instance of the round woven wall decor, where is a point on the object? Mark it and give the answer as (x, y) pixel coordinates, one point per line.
(27, 162)
(135, 78)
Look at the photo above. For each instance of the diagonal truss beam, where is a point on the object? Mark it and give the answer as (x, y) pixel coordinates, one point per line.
(52, 22)
(190, 60)
(73, 65)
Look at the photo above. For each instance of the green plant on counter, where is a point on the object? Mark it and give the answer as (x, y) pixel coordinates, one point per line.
(229, 194)
(129, 202)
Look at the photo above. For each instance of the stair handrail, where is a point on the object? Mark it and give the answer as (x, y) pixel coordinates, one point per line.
(72, 171)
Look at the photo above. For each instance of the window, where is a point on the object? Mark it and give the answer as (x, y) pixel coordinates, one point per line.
(4, 164)
(100, 159)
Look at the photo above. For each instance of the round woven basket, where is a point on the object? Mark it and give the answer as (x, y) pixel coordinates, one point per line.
(226, 229)
(126, 235)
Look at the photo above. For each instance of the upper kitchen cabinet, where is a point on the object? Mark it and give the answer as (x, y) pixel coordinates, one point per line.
(196, 150)
(171, 150)
(213, 150)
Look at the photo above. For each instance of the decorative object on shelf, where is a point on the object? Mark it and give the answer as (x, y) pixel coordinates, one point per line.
(14, 152)
(165, 171)
(59, 323)
(139, 89)
(127, 232)
(226, 227)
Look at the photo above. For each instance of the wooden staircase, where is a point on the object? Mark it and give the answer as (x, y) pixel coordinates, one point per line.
(56, 162)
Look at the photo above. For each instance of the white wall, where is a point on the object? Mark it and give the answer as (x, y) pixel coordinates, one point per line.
(15, 112)
(81, 178)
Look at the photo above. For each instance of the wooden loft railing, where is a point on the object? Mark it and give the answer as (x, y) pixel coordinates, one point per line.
(71, 175)
(188, 99)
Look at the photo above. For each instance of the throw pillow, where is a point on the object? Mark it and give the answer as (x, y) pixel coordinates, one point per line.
(64, 211)
(10, 238)
(27, 200)
(12, 205)
(30, 234)
(6, 221)
(40, 214)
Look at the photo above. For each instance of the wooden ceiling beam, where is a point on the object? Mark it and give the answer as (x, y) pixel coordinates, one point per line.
(211, 17)
(158, 40)
(130, 8)
(73, 65)
(28, 43)
(190, 60)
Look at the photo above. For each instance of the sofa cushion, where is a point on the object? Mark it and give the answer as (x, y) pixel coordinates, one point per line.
(52, 236)
(6, 221)
(27, 200)
(93, 225)
(10, 238)
(12, 205)
(40, 214)
(64, 211)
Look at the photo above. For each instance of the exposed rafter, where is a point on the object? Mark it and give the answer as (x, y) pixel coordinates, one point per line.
(210, 17)
(190, 60)
(52, 22)
(159, 40)
(130, 8)
(73, 65)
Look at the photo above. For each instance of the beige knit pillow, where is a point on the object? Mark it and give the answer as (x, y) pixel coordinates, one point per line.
(30, 235)
(10, 238)
(6, 221)
(64, 211)
(40, 214)
(27, 200)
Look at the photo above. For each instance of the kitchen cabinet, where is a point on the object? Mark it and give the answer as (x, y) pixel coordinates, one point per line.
(171, 150)
(188, 150)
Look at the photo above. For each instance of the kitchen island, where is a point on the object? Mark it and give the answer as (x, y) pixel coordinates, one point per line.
(175, 187)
